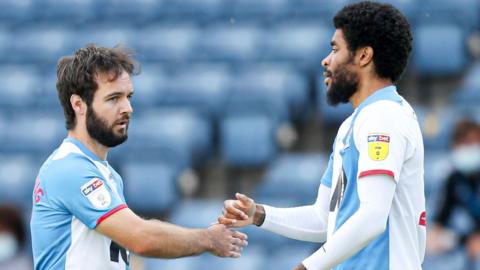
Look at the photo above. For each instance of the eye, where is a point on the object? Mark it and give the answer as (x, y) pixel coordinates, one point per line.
(114, 98)
(130, 96)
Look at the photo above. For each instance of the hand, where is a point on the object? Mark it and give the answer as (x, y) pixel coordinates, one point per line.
(239, 212)
(473, 246)
(225, 242)
(300, 267)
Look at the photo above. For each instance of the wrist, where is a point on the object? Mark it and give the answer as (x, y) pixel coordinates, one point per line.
(259, 215)
(206, 242)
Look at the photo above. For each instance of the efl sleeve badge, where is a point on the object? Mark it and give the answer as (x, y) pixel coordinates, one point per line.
(378, 145)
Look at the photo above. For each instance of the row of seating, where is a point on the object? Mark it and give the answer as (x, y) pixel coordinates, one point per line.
(304, 44)
(464, 11)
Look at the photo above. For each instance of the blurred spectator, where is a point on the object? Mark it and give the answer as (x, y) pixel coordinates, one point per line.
(462, 191)
(12, 241)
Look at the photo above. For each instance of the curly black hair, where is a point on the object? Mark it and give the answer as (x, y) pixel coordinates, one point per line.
(382, 27)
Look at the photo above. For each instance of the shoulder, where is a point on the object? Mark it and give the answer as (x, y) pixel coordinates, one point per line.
(67, 169)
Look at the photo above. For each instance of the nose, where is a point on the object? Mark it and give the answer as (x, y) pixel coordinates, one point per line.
(127, 107)
(326, 61)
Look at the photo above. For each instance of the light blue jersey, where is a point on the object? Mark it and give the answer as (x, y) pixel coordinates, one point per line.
(74, 192)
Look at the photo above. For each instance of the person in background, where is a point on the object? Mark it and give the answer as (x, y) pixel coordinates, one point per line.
(462, 190)
(12, 241)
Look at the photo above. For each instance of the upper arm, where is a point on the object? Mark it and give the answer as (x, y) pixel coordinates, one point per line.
(122, 227)
(381, 145)
(77, 186)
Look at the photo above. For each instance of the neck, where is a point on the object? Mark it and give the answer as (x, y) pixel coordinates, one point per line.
(366, 88)
(97, 148)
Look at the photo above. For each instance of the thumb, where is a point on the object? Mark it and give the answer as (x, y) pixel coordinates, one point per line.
(243, 199)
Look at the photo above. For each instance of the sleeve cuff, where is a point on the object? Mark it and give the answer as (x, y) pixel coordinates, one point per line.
(111, 212)
(376, 172)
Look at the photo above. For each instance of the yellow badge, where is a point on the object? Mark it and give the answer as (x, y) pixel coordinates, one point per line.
(378, 146)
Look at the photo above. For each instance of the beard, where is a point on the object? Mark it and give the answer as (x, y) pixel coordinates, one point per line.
(344, 83)
(98, 129)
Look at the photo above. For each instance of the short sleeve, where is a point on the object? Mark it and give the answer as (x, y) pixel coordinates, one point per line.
(78, 187)
(380, 145)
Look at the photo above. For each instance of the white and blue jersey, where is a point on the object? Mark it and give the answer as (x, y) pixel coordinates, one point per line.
(74, 192)
(382, 136)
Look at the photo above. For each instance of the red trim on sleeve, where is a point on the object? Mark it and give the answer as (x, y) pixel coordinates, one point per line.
(423, 219)
(374, 172)
(113, 211)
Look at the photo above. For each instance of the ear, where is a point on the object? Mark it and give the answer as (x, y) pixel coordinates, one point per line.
(365, 55)
(78, 105)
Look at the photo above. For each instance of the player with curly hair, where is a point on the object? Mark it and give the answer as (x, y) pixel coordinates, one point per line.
(370, 208)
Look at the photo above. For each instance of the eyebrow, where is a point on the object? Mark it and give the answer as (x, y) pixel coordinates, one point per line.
(117, 93)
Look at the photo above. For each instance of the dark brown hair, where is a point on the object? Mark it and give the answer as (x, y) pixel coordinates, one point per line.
(76, 74)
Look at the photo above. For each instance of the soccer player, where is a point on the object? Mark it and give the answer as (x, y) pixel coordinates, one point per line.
(370, 209)
(80, 219)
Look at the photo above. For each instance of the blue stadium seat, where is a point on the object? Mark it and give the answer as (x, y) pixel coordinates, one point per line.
(165, 42)
(270, 82)
(196, 213)
(150, 85)
(66, 10)
(287, 257)
(328, 113)
(469, 93)
(322, 9)
(247, 139)
(463, 13)
(17, 178)
(437, 126)
(252, 258)
(293, 176)
(150, 186)
(203, 88)
(33, 132)
(259, 9)
(434, 43)
(194, 8)
(106, 36)
(300, 42)
(453, 260)
(229, 43)
(45, 43)
(139, 11)
(21, 86)
(185, 135)
(16, 11)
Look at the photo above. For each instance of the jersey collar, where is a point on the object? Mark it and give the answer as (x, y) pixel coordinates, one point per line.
(386, 93)
(84, 149)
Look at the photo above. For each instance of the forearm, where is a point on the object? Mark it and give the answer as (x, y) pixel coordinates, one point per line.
(165, 240)
(375, 195)
(306, 223)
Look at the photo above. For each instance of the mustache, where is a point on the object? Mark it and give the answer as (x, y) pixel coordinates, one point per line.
(327, 73)
(125, 118)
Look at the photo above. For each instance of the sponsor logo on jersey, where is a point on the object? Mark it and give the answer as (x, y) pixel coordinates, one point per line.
(378, 145)
(96, 192)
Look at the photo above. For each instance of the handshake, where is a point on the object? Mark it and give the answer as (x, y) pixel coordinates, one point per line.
(241, 212)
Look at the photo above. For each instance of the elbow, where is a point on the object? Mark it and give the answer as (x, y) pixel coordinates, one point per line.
(141, 243)
(378, 226)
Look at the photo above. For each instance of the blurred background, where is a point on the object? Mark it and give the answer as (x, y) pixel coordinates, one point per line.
(231, 98)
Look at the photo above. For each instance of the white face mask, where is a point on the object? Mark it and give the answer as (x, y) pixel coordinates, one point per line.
(466, 158)
(8, 246)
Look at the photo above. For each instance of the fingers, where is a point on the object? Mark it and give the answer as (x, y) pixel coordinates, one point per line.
(226, 221)
(244, 199)
(239, 235)
(232, 208)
